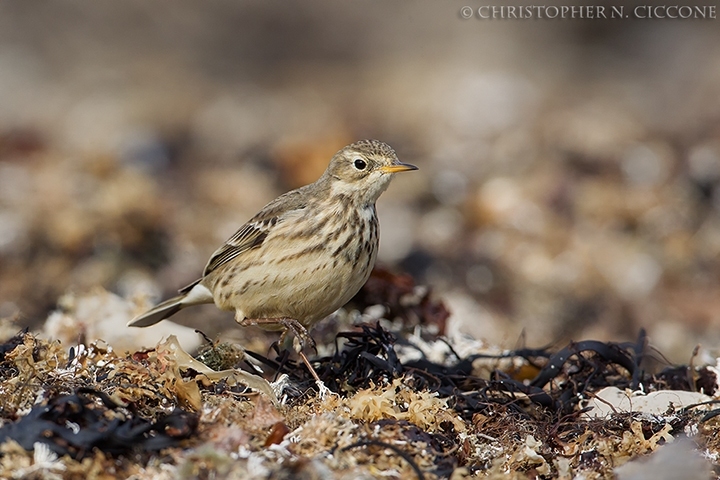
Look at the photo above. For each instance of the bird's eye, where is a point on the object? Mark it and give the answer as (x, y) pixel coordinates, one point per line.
(360, 164)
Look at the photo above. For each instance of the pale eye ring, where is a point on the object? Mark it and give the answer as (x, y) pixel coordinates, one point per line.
(360, 164)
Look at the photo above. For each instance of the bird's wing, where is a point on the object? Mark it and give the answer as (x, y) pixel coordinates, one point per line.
(251, 235)
(254, 232)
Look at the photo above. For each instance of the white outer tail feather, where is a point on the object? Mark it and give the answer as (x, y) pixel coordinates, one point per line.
(199, 294)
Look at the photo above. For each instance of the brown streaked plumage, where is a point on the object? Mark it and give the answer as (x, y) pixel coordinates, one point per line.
(304, 255)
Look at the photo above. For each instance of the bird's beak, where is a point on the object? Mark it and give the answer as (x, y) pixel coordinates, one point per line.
(398, 167)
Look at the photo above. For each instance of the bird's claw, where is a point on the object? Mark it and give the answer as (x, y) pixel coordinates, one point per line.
(302, 337)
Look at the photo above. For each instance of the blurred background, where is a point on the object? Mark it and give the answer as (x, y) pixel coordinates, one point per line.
(569, 182)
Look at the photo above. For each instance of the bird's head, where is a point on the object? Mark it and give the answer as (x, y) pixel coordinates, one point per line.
(364, 169)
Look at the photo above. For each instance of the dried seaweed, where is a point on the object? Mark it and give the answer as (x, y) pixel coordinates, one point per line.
(396, 409)
(539, 417)
(77, 424)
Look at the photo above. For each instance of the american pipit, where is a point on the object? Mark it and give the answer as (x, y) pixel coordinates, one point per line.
(304, 255)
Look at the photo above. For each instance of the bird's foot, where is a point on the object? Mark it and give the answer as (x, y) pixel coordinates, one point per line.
(302, 339)
(323, 391)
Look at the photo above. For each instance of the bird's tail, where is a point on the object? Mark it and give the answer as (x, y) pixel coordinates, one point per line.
(196, 295)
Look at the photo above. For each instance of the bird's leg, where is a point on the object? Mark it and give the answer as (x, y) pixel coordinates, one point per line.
(302, 339)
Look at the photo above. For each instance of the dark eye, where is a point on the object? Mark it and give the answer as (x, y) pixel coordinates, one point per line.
(360, 164)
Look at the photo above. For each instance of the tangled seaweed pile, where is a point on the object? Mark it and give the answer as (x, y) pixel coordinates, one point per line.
(403, 406)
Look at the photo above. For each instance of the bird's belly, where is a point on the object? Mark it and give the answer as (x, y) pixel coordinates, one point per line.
(307, 290)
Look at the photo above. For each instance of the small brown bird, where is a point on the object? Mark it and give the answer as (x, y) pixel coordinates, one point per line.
(304, 255)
